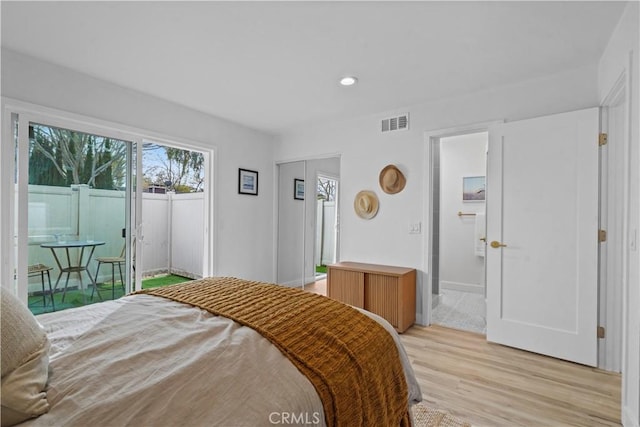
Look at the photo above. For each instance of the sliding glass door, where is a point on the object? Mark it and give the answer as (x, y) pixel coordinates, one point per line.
(75, 205)
(82, 203)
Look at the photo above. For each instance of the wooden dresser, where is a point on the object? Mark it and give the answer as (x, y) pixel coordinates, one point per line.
(389, 292)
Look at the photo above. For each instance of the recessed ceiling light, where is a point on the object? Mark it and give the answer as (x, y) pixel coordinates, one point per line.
(348, 81)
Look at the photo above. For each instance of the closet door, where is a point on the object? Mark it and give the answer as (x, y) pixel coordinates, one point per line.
(542, 235)
(291, 220)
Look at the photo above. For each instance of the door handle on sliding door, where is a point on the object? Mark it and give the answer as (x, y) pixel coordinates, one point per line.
(495, 244)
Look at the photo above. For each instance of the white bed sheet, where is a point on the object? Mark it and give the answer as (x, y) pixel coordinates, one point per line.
(181, 366)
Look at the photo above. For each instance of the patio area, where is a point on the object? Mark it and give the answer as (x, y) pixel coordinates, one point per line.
(76, 234)
(74, 297)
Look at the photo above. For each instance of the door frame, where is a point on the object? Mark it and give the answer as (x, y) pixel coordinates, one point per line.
(610, 304)
(430, 138)
(54, 117)
(613, 283)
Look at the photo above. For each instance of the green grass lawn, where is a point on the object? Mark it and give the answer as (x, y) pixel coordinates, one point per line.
(321, 268)
(169, 279)
(74, 297)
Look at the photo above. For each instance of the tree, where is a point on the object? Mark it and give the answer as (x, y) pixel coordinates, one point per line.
(41, 170)
(183, 170)
(326, 189)
(74, 158)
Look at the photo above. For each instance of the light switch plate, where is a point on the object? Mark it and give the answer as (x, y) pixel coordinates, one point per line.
(415, 228)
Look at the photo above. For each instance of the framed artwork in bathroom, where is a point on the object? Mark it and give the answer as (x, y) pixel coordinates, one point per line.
(473, 188)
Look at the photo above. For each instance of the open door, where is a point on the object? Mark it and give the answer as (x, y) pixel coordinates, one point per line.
(542, 235)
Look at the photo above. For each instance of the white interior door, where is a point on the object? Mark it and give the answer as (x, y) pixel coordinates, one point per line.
(542, 235)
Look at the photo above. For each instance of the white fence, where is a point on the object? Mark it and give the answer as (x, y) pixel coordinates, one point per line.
(325, 252)
(173, 226)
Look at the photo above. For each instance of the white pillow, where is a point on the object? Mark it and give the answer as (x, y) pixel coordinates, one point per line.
(24, 361)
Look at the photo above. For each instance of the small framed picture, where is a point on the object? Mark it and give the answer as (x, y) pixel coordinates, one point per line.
(247, 182)
(298, 189)
(473, 189)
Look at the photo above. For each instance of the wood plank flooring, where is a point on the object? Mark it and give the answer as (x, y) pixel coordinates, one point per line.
(493, 385)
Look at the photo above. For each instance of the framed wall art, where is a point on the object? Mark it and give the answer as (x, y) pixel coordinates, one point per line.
(298, 189)
(473, 189)
(247, 182)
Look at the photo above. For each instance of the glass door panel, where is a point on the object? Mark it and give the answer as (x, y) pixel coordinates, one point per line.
(77, 222)
(174, 234)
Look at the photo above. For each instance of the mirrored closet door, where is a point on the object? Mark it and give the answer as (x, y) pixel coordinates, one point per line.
(308, 228)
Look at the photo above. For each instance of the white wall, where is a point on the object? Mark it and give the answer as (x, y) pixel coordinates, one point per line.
(243, 222)
(621, 56)
(365, 151)
(460, 156)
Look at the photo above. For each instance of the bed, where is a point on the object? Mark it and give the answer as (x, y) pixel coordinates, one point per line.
(223, 351)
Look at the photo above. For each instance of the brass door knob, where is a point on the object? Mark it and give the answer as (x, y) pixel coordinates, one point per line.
(495, 244)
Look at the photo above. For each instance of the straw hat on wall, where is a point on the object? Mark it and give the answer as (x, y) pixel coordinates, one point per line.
(392, 180)
(366, 204)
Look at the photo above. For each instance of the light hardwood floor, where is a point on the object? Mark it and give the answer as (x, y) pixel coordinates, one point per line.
(318, 287)
(493, 385)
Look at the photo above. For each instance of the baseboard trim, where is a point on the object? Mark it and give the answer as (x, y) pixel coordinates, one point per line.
(462, 287)
(435, 300)
(296, 283)
(291, 284)
(628, 419)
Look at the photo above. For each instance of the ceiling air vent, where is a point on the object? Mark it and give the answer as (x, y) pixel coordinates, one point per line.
(400, 122)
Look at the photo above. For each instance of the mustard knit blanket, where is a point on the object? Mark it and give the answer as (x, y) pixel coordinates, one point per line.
(350, 359)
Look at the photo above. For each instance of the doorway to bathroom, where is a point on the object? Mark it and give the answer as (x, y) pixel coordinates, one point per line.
(458, 231)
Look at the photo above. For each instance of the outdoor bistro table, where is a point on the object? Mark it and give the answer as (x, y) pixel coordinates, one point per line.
(79, 267)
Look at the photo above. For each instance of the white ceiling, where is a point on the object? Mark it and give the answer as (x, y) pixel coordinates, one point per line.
(275, 65)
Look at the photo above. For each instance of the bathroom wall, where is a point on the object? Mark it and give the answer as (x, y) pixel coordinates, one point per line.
(460, 268)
